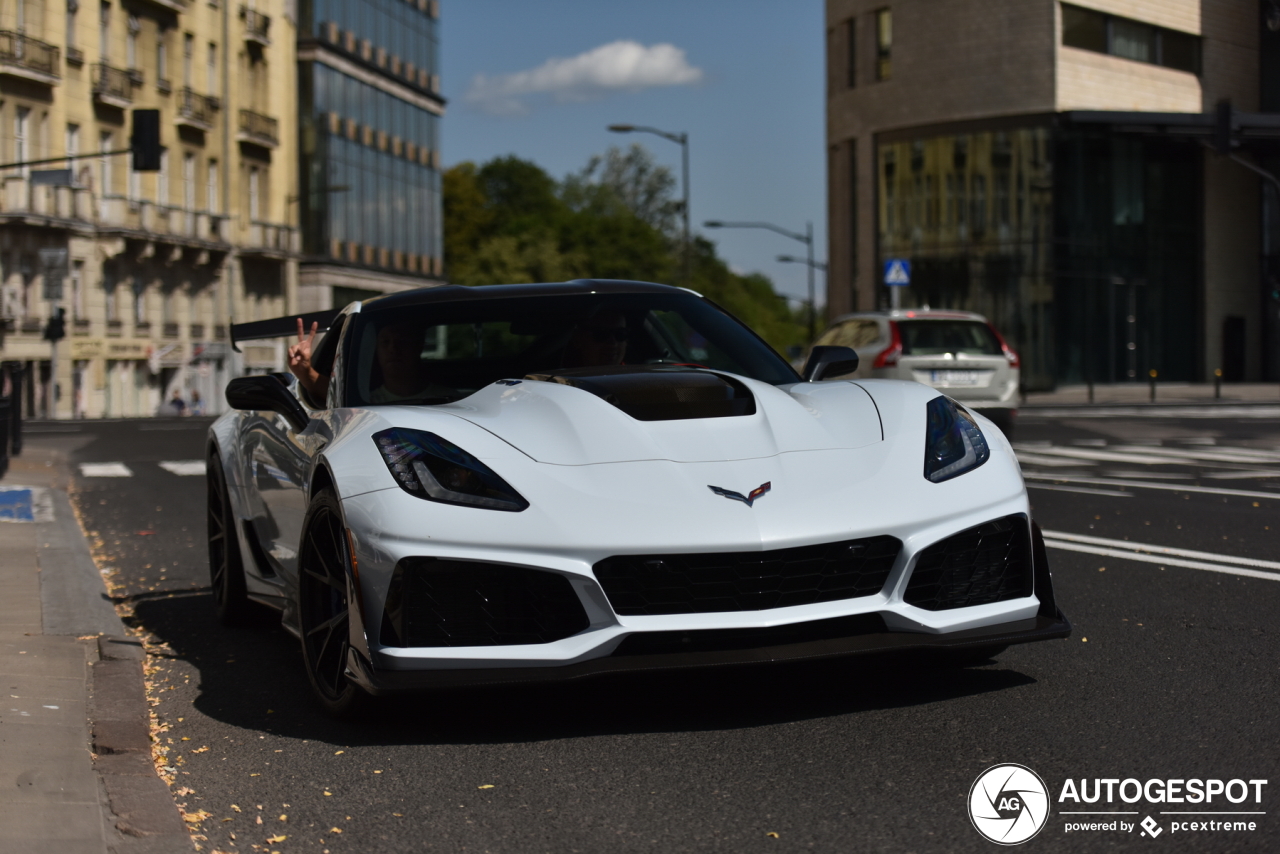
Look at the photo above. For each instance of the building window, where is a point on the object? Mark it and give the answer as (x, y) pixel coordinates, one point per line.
(73, 6)
(131, 43)
(188, 48)
(211, 191)
(109, 292)
(1099, 32)
(162, 179)
(162, 55)
(104, 31)
(212, 69)
(104, 165)
(851, 45)
(77, 290)
(884, 44)
(189, 181)
(21, 138)
(253, 193)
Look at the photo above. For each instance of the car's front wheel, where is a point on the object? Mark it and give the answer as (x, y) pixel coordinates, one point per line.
(324, 607)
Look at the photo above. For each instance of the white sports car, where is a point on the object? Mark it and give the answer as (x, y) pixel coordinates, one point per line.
(538, 482)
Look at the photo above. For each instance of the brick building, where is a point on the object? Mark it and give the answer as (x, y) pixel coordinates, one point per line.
(1051, 165)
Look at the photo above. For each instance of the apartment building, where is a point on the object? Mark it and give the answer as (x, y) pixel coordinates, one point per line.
(153, 266)
(369, 111)
(1059, 166)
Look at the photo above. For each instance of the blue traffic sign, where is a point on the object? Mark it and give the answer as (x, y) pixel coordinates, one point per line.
(897, 272)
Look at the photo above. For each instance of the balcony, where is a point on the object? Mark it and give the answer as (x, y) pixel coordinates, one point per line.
(196, 110)
(28, 58)
(257, 26)
(112, 86)
(258, 129)
(271, 240)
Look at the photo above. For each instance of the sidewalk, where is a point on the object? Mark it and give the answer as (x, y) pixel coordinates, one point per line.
(1167, 394)
(75, 763)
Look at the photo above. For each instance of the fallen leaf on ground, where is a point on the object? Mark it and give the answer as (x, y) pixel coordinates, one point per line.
(280, 838)
(485, 786)
(335, 830)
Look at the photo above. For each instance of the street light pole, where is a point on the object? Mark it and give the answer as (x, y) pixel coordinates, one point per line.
(806, 239)
(682, 139)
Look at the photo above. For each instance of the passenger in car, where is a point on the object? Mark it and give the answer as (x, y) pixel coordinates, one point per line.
(599, 340)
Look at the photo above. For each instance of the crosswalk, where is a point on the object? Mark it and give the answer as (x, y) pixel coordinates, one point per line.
(181, 468)
(1189, 465)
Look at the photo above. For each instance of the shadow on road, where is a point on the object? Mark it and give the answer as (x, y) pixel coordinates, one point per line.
(245, 671)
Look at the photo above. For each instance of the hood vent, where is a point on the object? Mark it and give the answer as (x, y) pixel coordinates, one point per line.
(660, 393)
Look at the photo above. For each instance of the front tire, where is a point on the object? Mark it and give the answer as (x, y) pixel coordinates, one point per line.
(226, 571)
(324, 608)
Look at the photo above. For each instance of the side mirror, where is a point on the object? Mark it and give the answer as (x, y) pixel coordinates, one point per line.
(269, 393)
(829, 361)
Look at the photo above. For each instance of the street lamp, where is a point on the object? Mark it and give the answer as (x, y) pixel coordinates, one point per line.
(683, 140)
(806, 239)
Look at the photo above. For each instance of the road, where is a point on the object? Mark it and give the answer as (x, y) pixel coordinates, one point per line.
(1171, 673)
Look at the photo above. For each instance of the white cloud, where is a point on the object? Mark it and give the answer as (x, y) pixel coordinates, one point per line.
(617, 66)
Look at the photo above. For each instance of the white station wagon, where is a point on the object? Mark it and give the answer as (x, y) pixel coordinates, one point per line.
(957, 352)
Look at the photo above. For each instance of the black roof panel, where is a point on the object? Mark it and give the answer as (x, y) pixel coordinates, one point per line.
(460, 293)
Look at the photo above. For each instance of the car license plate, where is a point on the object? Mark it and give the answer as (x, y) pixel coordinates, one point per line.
(956, 377)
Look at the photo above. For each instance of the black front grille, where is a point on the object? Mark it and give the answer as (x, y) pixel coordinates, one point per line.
(434, 602)
(726, 640)
(988, 563)
(644, 585)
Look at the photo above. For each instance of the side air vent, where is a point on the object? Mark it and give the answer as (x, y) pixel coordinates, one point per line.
(985, 564)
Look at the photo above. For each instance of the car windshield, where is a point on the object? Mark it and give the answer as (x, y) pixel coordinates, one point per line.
(440, 352)
(935, 337)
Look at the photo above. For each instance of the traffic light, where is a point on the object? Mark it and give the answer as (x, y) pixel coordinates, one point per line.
(1222, 127)
(56, 328)
(145, 142)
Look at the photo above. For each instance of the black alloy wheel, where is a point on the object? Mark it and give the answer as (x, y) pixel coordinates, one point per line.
(324, 607)
(226, 571)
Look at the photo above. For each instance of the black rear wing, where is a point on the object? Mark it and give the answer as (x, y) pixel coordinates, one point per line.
(281, 327)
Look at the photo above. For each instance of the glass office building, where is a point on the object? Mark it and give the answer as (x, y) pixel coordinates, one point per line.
(1080, 244)
(369, 113)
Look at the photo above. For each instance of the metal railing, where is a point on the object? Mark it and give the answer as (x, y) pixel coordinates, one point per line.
(197, 108)
(25, 52)
(257, 26)
(112, 82)
(259, 128)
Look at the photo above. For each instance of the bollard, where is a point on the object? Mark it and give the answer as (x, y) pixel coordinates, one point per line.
(1217, 383)
(1152, 373)
(1091, 391)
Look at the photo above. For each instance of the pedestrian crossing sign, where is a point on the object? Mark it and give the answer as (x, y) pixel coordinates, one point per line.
(897, 272)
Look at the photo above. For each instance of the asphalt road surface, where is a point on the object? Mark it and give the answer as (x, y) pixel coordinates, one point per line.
(1164, 535)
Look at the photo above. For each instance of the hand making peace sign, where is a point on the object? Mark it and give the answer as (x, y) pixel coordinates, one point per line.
(300, 362)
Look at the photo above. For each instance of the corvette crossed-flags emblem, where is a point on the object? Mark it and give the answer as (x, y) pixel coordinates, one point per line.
(749, 498)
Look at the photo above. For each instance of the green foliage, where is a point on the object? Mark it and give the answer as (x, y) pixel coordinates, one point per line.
(508, 221)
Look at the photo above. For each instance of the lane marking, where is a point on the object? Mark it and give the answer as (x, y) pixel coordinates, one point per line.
(105, 470)
(1221, 412)
(1222, 455)
(1041, 460)
(1163, 561)
(1086, 490)
(1104, 481)
(1108, 456)
(1243, 475)
(1147, 547)
(184, 468)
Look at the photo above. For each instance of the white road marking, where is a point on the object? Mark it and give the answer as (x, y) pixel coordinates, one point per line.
(1223, 412)
(1108, 456)
(1243, 475)
(1221, 455)
(1168, 550)
(105, 470)
(184, 468)
(1041, 460)
(1086, 490)
(1169, 487)
(1163, 561)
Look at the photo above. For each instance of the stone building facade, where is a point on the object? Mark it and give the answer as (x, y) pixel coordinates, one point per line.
(1051, 164)
(155, 265)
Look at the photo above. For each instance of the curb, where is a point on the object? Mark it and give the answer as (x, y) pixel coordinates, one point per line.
(144, 810)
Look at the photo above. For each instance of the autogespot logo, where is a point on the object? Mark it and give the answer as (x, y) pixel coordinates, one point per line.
(1008, 804)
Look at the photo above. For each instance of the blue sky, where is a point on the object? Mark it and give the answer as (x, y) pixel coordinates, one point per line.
(744, 79)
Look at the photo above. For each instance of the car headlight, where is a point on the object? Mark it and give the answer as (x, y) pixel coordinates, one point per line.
(433, 468)
(953, 443)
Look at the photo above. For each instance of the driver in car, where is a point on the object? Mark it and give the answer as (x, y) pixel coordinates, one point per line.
(399, 373)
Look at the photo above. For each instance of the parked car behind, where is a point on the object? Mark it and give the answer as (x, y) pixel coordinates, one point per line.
(957, 352)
